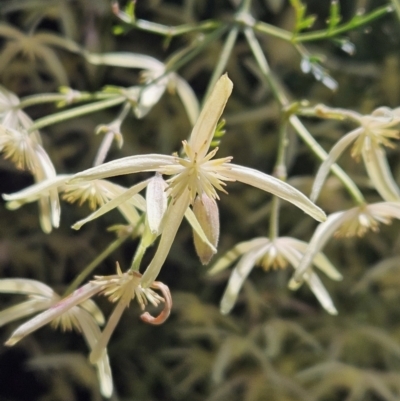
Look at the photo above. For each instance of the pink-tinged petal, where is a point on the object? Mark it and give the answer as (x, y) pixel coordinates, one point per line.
(173, 218)
(320, 237)
(163, 316)
(78, 296)
(25, 286)
(333, 155)
(237, 279)
(125, 165)
(276, 187)
(112, 204)
(375, 161)
(204, 129)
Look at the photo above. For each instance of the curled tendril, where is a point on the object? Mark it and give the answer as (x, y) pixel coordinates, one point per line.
(163, 316)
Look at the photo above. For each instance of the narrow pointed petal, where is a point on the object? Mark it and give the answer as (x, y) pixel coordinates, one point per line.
(34, 192)
(25, 286)
(192, 220)
(203, 131)
(23, 309)
(333, 155)
(125, 165)
(320, 237)
(173, 219)
(276, 187)
(94, 311)
(320, 260)
(112, 204)
(321, 293)
(188, 98)
(102, 342)
(54, 311)
(379, 172)
(156, 202)
(237, 278)
(237, 251)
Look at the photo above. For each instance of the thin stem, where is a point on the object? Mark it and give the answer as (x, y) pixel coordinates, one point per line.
(396, 6)
(223, 59)
(61, 97)
(272, 30)
(304, 134)
(352, 24)
(95, 262)
(75, 112)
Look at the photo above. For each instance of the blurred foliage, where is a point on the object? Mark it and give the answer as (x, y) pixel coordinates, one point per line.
(276, 344)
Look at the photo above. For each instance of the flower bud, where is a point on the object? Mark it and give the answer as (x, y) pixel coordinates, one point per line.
(156, 203)
(206, 212)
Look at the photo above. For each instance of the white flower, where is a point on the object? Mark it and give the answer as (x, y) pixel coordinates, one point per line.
(376, 130)
(196, 174)
(155, 78)
(84, 318)
(353, 222)
(277, 253)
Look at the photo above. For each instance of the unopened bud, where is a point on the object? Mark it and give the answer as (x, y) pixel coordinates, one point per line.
(156, 203)
(206, 212)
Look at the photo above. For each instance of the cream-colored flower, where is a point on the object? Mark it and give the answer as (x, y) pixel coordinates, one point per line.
(375, 131)
(272, 254)
(84, 318)
(353, 222)
(155, 78)
(196, 173)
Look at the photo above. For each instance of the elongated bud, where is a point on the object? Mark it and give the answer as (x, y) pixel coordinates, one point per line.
(206, 212)
(156, 203)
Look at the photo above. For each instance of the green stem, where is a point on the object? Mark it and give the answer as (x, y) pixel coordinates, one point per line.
(272, 30)
(95, 262)
(76, 112)
(294, 121)
(137, 259)
(60, 97)
(352, 24)
(223, 59)
(396, 6)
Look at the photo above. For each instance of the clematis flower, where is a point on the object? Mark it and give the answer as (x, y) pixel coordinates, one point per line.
(349, 223)
(120, 288)
(272, 254)
(155, 79)
(196, 174)
(376, 130)
(84, 318)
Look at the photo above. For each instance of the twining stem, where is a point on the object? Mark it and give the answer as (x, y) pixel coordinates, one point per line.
(76, 112)
(96, 261)
(294, 121)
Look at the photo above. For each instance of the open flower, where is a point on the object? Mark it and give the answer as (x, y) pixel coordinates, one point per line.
(84, 318)
(196, 174)
(155, 78)
(376, 130)
(349, 223)
(272, 254)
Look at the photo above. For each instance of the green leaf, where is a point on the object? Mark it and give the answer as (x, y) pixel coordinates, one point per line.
(334, 15)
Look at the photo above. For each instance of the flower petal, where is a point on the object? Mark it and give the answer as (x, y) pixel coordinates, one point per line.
(237, 278)
(321, 235)
(204, 129)
(188, 98)
(320, 292)
(375, 161)
(125, 165)
(333, 155)
(276, 187)
(124, 197)
(25, 286)
(172, 220)
(23, 309)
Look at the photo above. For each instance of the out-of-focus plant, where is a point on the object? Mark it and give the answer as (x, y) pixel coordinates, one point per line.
(276, 344)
